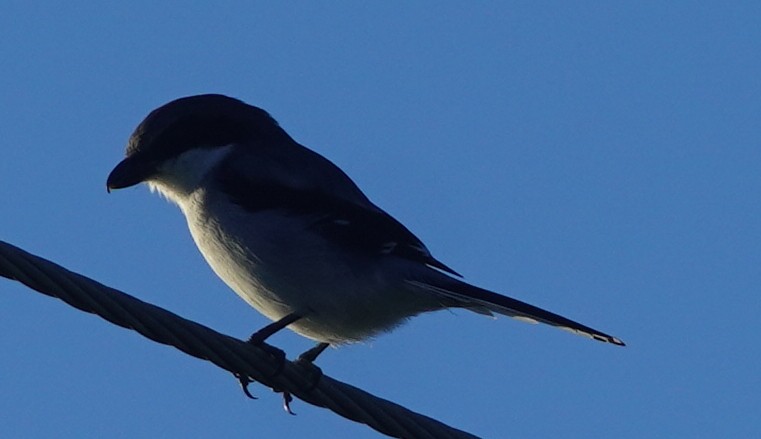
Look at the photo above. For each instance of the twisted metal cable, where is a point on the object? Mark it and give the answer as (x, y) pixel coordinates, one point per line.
(224, 351)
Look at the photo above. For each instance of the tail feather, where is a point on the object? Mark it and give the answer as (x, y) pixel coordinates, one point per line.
(480, 300)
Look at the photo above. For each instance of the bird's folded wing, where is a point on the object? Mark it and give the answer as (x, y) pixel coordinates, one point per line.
(359, 227)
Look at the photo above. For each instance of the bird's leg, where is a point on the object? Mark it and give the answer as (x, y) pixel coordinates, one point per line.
(306, 361)
(258, 338)
(312, 354)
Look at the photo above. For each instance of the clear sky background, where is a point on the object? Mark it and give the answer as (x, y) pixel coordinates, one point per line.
(598, 159)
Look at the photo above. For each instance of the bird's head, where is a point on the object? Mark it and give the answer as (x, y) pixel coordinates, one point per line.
(176, 145)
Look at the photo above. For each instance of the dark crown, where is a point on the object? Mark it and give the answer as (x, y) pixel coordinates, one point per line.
(203, 121)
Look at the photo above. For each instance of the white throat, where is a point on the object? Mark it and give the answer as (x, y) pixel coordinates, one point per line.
(180, 177)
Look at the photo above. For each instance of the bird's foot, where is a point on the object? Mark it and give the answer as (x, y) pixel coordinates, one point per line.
(277, 354)
(314, 373)
(257, 339)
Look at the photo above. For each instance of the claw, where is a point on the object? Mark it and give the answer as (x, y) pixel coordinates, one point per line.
(305, 360)
(244, 382)
(276, 353)
(287, 399)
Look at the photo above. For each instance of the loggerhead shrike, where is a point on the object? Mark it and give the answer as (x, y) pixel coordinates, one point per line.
(291, 233)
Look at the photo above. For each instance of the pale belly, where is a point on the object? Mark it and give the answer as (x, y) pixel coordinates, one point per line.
(279, 268)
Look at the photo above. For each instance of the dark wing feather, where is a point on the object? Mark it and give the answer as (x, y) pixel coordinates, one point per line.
(361, 228)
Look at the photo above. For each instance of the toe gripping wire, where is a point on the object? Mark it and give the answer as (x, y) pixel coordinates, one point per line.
(305, 360)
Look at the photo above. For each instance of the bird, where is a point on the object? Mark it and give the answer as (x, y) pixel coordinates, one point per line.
(291, 233)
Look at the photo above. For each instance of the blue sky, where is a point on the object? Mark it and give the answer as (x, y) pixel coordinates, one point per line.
(598, 159)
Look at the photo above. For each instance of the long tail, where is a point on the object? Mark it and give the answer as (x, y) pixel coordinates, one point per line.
(484, 301)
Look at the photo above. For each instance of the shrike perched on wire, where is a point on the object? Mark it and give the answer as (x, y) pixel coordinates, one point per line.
(291, 233)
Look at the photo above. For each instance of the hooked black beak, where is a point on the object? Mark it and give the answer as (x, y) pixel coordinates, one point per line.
(129, 172)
